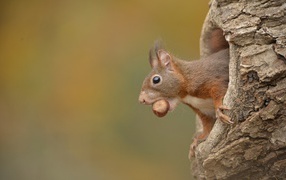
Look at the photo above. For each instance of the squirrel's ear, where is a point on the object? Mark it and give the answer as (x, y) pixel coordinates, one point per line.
(153, 60)
(165, 59)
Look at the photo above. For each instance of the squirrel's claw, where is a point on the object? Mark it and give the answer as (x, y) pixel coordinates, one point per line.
(197, 140)
(222, 107)
(192, 149)
(193, 146)
(221, 116)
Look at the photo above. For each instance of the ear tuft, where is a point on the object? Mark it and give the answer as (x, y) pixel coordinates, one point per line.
(153, 60)
(153, 54)
(158, 45)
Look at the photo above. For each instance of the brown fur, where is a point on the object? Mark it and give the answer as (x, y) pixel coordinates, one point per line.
(204, 79)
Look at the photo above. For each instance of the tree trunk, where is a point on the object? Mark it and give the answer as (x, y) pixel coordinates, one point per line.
(254, 147)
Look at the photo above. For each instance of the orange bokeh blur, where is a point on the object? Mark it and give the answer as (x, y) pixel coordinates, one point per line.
(71, 72)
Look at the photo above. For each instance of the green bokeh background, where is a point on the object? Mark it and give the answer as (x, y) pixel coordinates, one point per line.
(71, 72)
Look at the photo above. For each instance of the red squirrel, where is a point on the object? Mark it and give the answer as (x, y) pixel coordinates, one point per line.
(200, 84)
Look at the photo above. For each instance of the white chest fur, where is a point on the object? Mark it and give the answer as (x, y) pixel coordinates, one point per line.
(206, 106)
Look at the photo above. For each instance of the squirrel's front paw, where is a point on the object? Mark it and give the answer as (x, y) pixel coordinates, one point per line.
(221, 116)
(194, 145)
(193, 148)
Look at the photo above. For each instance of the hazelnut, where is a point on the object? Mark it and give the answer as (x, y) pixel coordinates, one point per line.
(161, 108)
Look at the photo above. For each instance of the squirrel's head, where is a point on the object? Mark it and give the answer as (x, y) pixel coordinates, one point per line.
(164, 81)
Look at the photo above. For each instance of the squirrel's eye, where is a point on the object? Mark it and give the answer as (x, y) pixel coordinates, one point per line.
(156, 79)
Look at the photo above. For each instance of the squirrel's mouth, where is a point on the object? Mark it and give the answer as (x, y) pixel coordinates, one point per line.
(148, 98)
(144, 98)
(147, 101)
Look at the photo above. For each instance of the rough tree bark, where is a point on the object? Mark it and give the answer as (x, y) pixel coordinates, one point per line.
(254, 147)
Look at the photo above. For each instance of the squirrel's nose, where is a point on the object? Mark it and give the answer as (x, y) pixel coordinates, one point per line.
(141, 98)
(142, 101)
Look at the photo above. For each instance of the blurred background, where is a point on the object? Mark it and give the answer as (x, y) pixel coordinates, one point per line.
(71, 73)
